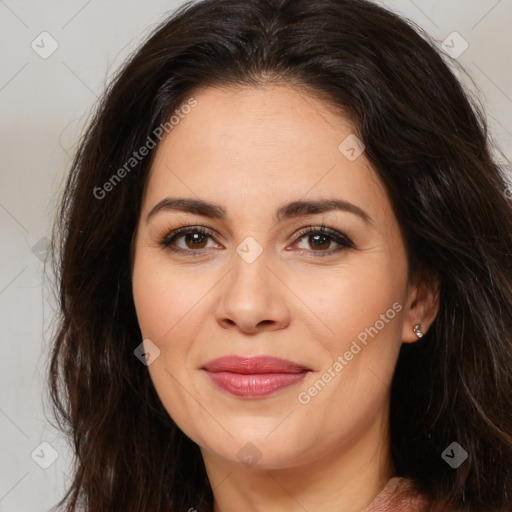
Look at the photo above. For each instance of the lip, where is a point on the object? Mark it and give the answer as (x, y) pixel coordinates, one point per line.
(253, 377)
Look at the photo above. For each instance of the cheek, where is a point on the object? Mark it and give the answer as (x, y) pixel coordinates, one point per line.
(363, 311)
(169, 300)
(152, 305)
(162, 297)
(162, 302)
(353, 300)
(362, 308)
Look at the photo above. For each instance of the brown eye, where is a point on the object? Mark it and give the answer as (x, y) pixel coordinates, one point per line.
(188, 239)
(195, 240)
(320, 240)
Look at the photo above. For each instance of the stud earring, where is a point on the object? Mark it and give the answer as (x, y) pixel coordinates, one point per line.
(417, 330)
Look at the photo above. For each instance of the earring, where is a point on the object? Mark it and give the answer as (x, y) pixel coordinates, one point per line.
(417, 330)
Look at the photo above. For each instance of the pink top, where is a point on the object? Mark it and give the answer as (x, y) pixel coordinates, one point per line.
(398, 495)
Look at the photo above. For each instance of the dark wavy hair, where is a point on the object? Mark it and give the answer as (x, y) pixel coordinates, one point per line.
(427, 139)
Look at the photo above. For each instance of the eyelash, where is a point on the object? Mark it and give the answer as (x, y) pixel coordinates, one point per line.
(343, 241)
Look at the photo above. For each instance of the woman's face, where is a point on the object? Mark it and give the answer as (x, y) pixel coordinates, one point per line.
(254, 170)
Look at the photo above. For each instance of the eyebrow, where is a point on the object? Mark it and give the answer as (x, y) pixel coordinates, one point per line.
(289, 210)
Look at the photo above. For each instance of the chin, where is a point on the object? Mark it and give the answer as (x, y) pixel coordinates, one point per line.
(258, 450)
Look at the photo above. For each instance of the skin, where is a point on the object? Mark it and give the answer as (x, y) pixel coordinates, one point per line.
(251, 150)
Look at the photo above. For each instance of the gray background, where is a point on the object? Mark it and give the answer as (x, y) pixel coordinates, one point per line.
(44, 104)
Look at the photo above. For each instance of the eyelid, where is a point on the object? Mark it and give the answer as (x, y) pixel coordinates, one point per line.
(322, 228)
(343, 241)
(338, 237)
(172, 234)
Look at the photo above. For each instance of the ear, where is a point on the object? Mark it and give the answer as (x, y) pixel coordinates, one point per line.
(421, 306)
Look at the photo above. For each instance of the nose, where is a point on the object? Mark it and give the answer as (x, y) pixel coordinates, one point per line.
(252, 298)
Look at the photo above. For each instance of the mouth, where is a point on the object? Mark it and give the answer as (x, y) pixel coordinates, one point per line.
(253, 377)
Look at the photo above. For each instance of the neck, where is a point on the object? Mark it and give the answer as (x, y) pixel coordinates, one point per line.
(346, 479)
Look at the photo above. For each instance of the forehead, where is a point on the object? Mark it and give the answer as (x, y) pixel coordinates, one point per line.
(274, 142)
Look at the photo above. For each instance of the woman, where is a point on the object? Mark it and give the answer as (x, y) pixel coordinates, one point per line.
(285, 274)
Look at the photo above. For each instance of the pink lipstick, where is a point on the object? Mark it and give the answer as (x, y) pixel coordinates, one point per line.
(252, 377)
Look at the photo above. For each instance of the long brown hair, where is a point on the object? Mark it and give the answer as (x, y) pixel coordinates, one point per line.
(427, 140)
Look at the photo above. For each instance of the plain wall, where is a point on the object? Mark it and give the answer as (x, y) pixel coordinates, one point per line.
(44, 104)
